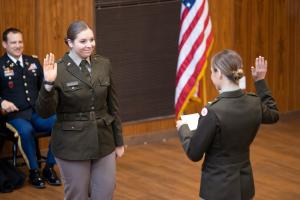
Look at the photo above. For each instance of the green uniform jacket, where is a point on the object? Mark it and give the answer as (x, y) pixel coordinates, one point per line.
(226, 128)
(88, 123)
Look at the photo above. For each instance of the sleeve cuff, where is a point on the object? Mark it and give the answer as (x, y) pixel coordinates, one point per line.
(48, 87)
(261, 87)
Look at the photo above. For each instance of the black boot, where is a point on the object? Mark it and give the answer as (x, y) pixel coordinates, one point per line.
(35, 179)
(50, 176)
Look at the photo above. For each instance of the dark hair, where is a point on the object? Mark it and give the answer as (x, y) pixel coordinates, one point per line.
(9, 30)
(74, 29)
(229, 63)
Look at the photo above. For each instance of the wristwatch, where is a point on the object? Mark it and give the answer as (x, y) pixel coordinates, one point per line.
(48, 82)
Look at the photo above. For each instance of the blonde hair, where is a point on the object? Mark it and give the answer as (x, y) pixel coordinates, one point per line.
(229, 63)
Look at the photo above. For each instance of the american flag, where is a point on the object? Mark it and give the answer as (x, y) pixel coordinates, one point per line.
(195, 41)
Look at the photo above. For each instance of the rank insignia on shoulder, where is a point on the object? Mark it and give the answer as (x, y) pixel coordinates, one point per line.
(204, 111)
(210, 103)
(59, 60)
(252, 94)
(34, 56)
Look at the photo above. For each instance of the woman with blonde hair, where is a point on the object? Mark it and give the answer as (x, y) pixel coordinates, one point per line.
(227, 127)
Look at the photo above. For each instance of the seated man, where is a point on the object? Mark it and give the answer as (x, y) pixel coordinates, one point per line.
(21, 77)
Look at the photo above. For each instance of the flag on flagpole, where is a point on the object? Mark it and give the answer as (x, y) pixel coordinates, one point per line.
(195, 41)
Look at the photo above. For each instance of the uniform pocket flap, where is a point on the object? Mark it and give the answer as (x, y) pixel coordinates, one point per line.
(108, 119)
(72, 126)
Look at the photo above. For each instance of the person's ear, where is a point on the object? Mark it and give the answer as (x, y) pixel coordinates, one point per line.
(4, 44)
(219, 73)
(70, 43)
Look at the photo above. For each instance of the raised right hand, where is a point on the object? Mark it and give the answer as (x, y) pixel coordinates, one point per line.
(50, 68)
(8, 106)
(260, 69)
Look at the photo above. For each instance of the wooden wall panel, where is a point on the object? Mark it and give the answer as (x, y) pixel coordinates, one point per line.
(54, 19)
(221, 13)
(21, 14)
(149, 126)
(273, 34)
(294, 47)
(44, 22)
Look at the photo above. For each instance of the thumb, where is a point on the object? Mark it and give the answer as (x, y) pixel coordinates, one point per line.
(253, 71)
(55, 66)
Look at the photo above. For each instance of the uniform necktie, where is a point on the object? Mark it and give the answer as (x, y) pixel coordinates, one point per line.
(84, 69)
(18, 63)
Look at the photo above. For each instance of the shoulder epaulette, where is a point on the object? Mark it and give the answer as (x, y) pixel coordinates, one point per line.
(59, 60)
(210, 103)
(96, 56)
(34, 56)
(99, 57)
(251, 94)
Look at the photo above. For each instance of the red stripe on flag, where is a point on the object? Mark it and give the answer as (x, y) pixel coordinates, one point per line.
(191, 54)
(190, 84)
(183, 16)
(192, 25)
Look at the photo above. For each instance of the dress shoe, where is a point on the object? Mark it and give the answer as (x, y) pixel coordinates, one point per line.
(35, 179)
(50, 176)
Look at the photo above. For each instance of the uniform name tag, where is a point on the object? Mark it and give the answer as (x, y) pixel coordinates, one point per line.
(74, 83)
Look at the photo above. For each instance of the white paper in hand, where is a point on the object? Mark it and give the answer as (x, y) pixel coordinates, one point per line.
(191, 120)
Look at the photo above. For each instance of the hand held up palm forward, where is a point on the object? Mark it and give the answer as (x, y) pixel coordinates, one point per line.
(50, 68)
(260, 69)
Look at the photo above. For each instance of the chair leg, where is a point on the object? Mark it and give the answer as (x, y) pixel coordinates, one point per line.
(15, 153)
(1, 144)
(38, 152)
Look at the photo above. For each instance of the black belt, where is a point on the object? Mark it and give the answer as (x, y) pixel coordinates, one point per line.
(81, 116)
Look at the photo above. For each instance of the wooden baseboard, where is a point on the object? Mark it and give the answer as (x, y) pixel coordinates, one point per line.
(148, 126)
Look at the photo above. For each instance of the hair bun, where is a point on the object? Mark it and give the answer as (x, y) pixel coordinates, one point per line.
(238, 74)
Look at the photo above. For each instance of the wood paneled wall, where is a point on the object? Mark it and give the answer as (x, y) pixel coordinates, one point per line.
(20, 14)
(252, 27)
(270, 28)
(44, 23)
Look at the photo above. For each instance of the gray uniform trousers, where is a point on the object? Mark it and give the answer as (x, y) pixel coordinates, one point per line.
(94, 177)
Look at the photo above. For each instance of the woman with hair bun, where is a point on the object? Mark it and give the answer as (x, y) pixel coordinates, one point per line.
(227, 127)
